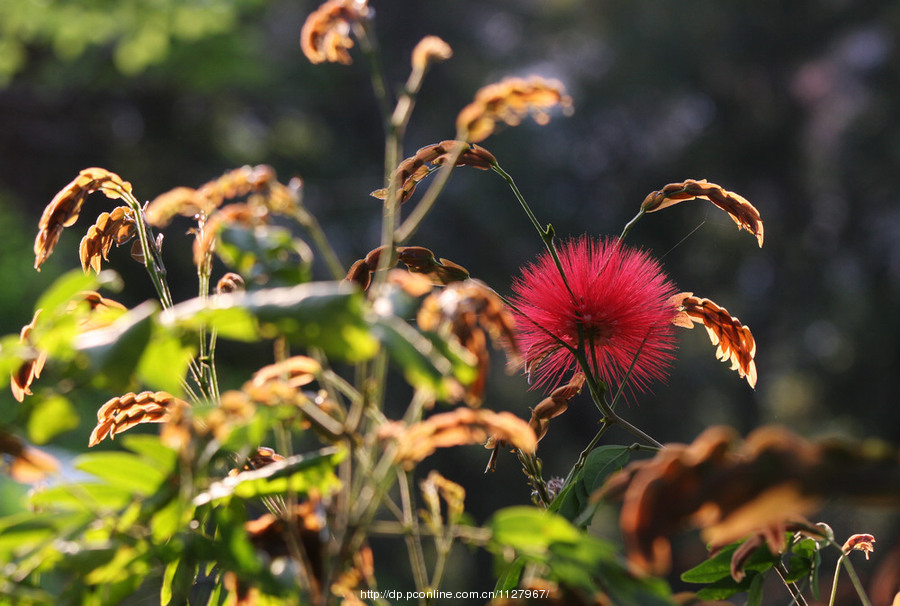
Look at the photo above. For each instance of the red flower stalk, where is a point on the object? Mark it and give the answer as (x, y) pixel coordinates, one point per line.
(616, 305)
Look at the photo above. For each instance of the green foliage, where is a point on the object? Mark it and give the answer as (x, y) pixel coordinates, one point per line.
(600, 463)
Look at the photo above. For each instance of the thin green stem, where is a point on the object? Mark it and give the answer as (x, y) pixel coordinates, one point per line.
(854, 578)
(312, 226)
(791, 587)
(413, 537)
(631, 223)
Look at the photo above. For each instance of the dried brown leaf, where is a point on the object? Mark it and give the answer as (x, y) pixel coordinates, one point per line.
(115, 227)
(325, 35)
(296, 372)
(66, 205)
(29, 465)
(738, 208)
(509, 101)
(734, 342)
(30, 369)
(430, 49)
(457, 428)
(124, 412)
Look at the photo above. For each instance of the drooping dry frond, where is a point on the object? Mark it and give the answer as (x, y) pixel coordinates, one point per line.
(66, 205)
(430, 49)
(124, 412)
(417, 259)
(738, 208)
(296, 372)
(732, 489)
(509, 101)
(260, 458)
(230, 282)
(29, 465)
(414, 169)
(21, 379)
(457, 428)
(258, 183)
(734, 342)
(326, 33)
(434, 488)
(554, 405)
(470, 311)
(115, 227)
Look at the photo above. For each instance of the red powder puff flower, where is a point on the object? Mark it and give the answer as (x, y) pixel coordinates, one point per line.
(618, 308)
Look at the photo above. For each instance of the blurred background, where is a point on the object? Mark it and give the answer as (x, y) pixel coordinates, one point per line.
(792, 105)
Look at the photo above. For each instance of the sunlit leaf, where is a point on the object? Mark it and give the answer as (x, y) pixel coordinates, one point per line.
(164, 362)
(85, 496)
(123, 470)
(50, 417)
(531, 530)
(114, 352)
(295, 475)
(151, 448)
(601, 462)
(327, 315)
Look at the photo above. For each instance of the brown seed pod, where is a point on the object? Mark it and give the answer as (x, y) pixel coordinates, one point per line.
(509, 101)
(21, 379)
(430, 49)
(66, 205)
(738, 208)
(115, 227)
(124, 412)
(325, 35)
(230, 282)
(414, 169)
(734, 342)
(457, 428)
(296, 371)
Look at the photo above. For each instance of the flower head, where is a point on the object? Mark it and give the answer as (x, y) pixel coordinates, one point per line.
(613, 305)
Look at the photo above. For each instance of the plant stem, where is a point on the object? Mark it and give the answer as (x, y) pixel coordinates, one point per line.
(631, 223)
(791, 587)
(413, 536)
(854, 578)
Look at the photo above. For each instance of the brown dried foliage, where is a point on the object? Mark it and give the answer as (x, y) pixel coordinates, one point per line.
(430, 49)
(734, 342)
(259, 184)
(115, 227)
(296, 371)
(738, 208)
(471, 312)
(457, 428)
(554, 405)
(262, 456)
(325, 35)
(66, 205)
(230, 282)
(509, 101)
(434, 488)
(732, 489)
(417, 259)
(859, 542)
(124, 412)
(29, 465)
(30, 369)
(414, 169)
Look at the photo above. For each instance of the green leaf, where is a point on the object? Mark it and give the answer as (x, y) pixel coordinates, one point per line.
(725, 588)
(601, 462)
(151, 448)
(755, 592)
(164, 362)
(424, 365)
(24, 532)
(57, 296)
(531, 530)
(509, 579)
(85, 496)
(295, 475)
(123, 470)
(50, 417)
(712, 569)
(327, 315)
(114, 352)
(265, 254)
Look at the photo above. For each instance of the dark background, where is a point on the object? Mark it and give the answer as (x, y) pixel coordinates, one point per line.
(792, 105)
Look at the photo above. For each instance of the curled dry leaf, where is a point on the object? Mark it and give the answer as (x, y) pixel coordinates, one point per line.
(738, 208)
(434, 488)
(29, 464)
(430, 49)
(296, 372)
(554, 405)
(732, 489)
(115, 227)
(30, 369)
(414, 169)
(457, 428)
(262, 456)
(417, 259)
(325, 35)
(471, 312)
(66, 205)
(259, 184)
(734, 342)
(230, 282)
(509, 101)
(859, 542)
(124, 412)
